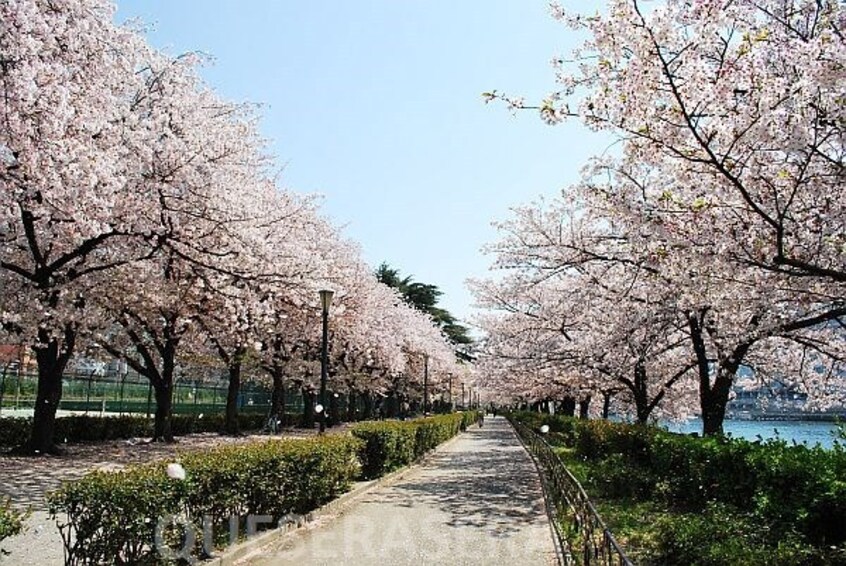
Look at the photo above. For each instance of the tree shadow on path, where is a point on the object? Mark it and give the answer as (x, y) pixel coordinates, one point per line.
(485, 481)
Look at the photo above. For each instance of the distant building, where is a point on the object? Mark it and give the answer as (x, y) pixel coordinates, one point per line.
(15, 356)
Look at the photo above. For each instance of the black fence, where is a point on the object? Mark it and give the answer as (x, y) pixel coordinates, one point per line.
(581, 532)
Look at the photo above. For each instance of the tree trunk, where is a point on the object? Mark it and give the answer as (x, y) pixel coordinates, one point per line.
(713, 404)
(352, 399)
(52, 360)
(308, 408)
(334, 410)
(568, 407)
(390, 405)
(640, 394)
(277, 396)
(584, 406)
(162, 429)
(606, 403)
(713, 398)
(231, 425)
(368, 405)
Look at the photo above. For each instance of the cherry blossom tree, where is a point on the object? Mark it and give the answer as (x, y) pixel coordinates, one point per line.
(738, 103)
(146, 320)
(111, 153)
(729, 128)
(72, 151)
(584, 301)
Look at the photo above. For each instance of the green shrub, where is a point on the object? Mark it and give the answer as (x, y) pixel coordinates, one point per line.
(14, 430)
(389, 445)
(11, 520)
(469, 418)
(722, 537)
(432, 431)
(597, 439)
(112, 517)
(615, 477)
(792, 490)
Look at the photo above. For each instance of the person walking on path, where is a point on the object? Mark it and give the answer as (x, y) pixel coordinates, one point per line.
(477, 501)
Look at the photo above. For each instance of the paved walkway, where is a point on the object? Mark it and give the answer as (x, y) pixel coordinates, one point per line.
(477, 501)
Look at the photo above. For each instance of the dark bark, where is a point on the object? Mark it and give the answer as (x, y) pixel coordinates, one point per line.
(641, 394)
(308, 408)
(334, 410)
(52, 358)
(568, 406)
(163, 348)
(231, 425)
(162, 428)
(713, 397)
(713, 403)
(352, 399)
(584, 406)
(277, 395)
(606, 403)
(391, 406)
(368, 405)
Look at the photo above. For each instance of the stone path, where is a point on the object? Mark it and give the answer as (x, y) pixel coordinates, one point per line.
(477, 501)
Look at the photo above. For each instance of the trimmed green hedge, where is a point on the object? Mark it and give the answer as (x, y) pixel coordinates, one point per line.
(791, 491)
(90, 428)
(389, 445)
(112, 517)
(109, 517)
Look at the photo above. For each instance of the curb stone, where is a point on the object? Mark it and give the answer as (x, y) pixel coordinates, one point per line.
(235, 553)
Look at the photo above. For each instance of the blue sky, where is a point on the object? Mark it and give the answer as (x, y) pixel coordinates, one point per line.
(377, 106)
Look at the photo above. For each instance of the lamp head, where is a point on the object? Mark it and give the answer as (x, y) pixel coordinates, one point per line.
(326, 298)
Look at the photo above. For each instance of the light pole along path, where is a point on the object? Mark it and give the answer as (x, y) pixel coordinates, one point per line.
(477, 501)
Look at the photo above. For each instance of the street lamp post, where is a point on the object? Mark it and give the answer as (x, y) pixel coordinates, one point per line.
(450, 393)
(425, 384)
(463, 406)
(325, 302)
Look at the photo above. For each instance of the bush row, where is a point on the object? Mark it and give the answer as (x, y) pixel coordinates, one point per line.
(130, 516)
(109, 517)
(792, 489)
(389, 445)
(91, 428)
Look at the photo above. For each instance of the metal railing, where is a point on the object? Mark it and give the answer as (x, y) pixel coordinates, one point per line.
(588, 540)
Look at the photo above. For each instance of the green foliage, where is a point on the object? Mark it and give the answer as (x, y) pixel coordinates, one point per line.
(11, 520)
(424, 297)
(90, 428)
(722, 537)
(14, 431)
(469, 417)
(389, 445)
(112, 517)
(794, 496)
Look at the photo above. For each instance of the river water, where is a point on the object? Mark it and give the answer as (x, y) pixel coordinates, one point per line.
(801, 432)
